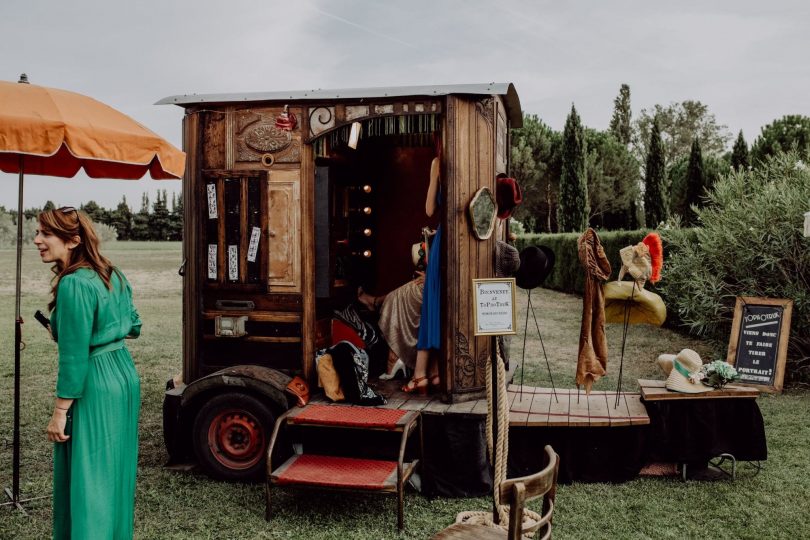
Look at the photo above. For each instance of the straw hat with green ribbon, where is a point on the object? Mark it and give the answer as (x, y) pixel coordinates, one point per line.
(683, 372)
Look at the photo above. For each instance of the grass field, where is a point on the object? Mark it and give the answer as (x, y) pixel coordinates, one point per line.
(773, 504)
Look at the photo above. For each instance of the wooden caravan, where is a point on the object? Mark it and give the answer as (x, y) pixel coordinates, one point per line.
(284, 219)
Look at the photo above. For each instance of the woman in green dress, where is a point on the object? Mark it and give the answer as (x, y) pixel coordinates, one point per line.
(95, 417)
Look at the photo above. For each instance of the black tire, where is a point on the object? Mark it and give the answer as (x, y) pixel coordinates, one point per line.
(231, 433)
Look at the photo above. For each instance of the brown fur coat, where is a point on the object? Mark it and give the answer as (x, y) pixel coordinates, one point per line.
(593, 350)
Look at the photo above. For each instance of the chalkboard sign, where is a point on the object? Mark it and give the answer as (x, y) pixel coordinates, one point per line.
(759, 338)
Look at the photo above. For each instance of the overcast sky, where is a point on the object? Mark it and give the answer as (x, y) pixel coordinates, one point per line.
(746, 60)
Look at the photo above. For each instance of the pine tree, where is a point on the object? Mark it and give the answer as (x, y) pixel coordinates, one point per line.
(573, 210)
(140, 221)
(159, 222)
(176, 218)
(620, 125)
(95, 212)
(655, 207)
(740, 160)
(695, 184)
(122, 220)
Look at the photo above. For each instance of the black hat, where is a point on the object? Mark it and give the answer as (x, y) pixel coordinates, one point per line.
(536, 264)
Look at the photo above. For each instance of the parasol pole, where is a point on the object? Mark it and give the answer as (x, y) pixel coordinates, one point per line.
(14, 493)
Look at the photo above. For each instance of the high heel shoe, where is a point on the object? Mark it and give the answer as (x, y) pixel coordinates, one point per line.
(399, 366)
(418, 385)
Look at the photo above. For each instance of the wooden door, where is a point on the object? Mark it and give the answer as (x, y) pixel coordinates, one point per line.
(284, 231)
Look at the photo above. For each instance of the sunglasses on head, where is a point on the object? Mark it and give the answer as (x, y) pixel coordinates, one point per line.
(67, 209)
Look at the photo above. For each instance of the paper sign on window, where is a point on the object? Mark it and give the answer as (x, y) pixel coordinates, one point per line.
(212, 201)
(233, 263)
(253, 247)
(212, 261)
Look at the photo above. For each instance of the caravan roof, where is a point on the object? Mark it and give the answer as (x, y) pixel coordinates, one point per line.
(506, 90)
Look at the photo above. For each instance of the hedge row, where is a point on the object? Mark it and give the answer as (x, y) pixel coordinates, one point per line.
(568, 275)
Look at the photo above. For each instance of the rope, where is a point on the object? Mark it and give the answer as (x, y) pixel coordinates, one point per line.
(531, 519)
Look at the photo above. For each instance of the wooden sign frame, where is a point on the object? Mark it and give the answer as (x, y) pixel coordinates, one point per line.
(784, 335)
(510, 284)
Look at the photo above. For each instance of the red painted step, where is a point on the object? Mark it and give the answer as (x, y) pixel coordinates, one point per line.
(349, 417)
(337, 472)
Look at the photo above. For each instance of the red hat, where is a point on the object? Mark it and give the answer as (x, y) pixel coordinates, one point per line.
(508, 195)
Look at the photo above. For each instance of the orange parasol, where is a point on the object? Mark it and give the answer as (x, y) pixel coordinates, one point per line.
(54, 132)
(58, 132)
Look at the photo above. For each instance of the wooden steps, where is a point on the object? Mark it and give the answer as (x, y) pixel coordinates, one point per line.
(310, 470)
(335, 472)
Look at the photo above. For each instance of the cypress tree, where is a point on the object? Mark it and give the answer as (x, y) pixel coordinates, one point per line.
(620, 123)
(573, 209)
(655, 208)
(695, 184)
(740, 160)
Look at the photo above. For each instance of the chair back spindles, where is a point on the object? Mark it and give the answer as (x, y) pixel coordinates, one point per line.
(516, 492)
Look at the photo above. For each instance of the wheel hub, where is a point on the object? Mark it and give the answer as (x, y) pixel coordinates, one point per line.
(236, 439)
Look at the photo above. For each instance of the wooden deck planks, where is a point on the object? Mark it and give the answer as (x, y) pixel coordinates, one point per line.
(481, 407)
(465, 407)
(536, 407)
(619, 414)
(558, 409)
(538, 413)
(637, 410)
(578, 410)
(598, 414)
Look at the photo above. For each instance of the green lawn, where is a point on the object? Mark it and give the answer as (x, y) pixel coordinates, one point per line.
(188, 505)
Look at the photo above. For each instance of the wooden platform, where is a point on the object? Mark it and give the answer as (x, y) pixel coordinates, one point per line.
(540, 407)
(657, 391)
(531, 407)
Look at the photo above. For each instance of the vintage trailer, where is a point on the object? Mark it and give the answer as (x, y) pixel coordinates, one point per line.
(283, 220)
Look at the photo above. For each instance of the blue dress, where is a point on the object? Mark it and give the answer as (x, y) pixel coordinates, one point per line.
(430, 318)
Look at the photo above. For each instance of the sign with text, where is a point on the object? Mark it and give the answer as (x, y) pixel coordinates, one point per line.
(494, 301)
(759, 339)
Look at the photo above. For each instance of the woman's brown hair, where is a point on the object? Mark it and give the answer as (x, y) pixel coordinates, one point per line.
(66, 224)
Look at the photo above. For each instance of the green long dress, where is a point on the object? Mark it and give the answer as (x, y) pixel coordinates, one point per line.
(94, 470)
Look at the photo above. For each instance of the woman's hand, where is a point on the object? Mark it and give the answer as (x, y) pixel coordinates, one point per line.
(56, 427)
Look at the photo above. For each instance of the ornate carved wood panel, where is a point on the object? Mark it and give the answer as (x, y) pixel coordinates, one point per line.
(469, 165)
(255, 136)
(284, 230)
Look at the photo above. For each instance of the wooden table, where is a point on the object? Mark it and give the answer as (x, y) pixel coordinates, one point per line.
(656, 391)
(694, 428)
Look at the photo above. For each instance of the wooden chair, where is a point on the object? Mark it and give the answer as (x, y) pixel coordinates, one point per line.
(516, 492)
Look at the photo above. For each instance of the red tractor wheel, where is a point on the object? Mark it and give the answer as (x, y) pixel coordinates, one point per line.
(231, 433)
